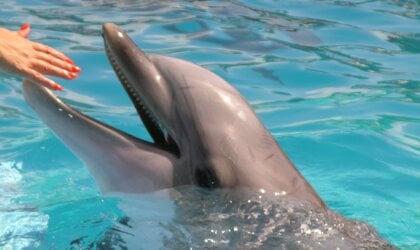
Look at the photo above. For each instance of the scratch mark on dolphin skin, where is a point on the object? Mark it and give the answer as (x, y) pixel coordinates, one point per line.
(250, 153)
(186, 87)
(269, 157)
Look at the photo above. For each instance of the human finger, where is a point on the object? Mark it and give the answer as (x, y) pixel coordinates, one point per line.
(65, 65)
(41, 79)
(25, 30)
(48, 50)
(50, 69)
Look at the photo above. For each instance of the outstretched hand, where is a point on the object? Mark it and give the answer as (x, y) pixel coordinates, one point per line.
(21, 57)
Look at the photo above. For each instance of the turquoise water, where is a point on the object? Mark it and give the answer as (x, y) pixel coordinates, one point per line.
(336, 82)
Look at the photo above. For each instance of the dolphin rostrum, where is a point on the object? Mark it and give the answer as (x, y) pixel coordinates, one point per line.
(204, 132)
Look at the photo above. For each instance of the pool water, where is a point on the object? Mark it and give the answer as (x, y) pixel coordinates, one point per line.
(336, 82)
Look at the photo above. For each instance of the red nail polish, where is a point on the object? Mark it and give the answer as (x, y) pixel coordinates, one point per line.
(72, 75)
(69, 60)
(76, 69)
(57, 87)
(25, 26)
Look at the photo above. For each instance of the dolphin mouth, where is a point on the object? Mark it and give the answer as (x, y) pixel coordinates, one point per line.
(156, 130)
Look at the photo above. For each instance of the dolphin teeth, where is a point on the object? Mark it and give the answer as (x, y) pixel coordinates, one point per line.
(134, 95)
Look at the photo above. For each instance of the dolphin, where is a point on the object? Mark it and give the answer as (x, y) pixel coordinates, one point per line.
(204, 132)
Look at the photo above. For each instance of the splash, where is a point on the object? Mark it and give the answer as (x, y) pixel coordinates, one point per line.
(21, 226)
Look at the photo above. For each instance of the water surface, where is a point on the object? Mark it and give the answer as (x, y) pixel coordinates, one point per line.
(336, 82)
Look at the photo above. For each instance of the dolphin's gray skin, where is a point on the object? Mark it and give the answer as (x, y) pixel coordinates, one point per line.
(205, 133)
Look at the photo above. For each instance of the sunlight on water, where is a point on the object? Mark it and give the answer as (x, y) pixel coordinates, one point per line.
(23, 225)
(337, 83)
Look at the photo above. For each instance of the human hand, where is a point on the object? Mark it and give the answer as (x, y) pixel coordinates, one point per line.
(21, 57)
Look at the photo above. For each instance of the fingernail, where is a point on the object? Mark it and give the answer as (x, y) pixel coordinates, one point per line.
(69, 60)
(76, 69)
(25, 26)
(57, 87)
(72, 75)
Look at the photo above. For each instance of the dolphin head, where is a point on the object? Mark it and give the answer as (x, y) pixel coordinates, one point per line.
(204, 132)
(189, 110)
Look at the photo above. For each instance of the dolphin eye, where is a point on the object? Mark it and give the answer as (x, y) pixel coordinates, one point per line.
(205, 178)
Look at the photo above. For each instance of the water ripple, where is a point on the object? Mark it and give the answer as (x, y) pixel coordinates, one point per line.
(336, 82)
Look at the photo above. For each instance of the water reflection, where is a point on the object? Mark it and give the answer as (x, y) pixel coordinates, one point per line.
(337, 83)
